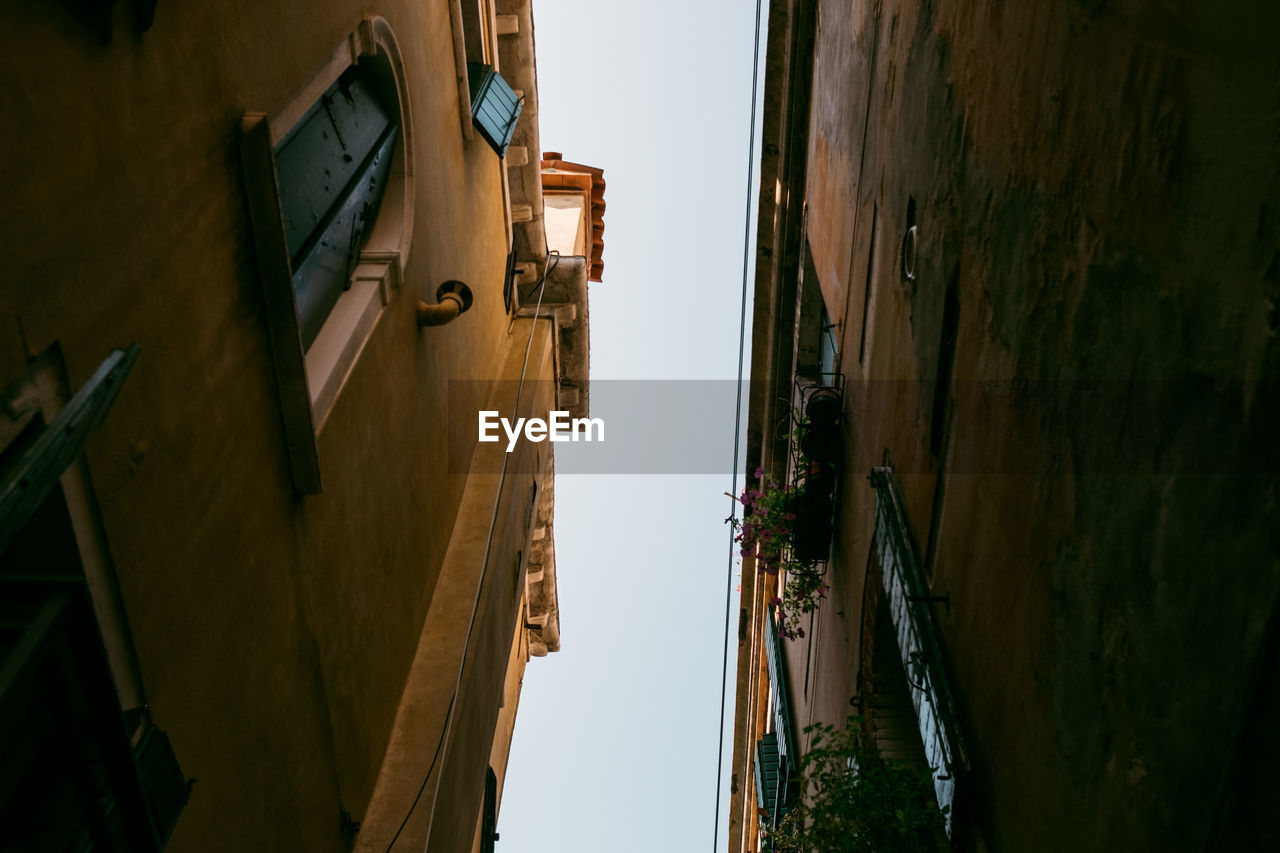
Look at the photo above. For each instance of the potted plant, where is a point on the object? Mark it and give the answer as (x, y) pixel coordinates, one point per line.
(768, 530)
(820, 450)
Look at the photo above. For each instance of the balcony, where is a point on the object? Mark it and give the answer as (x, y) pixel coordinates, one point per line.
(814, 450)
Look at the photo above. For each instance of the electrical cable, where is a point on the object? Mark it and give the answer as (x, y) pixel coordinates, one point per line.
(553, 259)
(737, 419)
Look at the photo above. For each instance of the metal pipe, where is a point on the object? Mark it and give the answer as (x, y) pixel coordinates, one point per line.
(453, 298)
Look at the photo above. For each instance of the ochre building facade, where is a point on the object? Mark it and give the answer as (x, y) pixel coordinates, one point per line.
(268, 262)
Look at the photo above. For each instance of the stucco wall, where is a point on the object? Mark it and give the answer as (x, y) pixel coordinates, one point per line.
(1096, 181)
(1072, 173)
(274, 631)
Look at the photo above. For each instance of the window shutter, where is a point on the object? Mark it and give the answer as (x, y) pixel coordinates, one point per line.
(767, 771)
(489, 815)
(166, 787)
(494, 106)
(778, 684)
(332, 168)
(76, 783)
(325, 270)
(775, 752)
(319, 157)
(39, 468)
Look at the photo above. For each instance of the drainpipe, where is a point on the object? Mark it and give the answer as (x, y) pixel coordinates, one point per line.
(453, 298)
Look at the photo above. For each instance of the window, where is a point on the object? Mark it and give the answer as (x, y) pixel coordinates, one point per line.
(776, 753)
(817, 337)
(828, 346)
(489, 813)
(84, 765)
(332, 169)
(488, 102)
(477, 30)
(329, 180)
(768, 770)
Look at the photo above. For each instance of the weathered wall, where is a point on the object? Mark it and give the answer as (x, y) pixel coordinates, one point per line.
(1099, 182)
(275, 632)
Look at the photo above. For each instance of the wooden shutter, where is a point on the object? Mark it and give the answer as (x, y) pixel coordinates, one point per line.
(489, 815)
(767, 771)
(332, 169)
(782, 749)
(70, 779)
(494, 106)
(57, 447)
(778, 684)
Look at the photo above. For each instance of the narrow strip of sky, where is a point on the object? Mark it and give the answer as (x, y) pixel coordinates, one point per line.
(614, 741)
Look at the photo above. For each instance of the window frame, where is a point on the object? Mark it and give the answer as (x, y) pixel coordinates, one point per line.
(74, 686)
(309, 381)
(474, 40)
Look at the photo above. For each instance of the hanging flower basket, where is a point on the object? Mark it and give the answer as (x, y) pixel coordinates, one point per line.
(769, 531)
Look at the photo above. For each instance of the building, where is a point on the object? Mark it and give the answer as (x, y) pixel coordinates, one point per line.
(1034, 252)
(263, 589)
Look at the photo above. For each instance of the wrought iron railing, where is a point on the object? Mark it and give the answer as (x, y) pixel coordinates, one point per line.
(807, 389)
(814, 449)
(907, 597)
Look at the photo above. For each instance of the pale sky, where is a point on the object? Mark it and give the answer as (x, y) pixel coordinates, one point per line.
(615, 739)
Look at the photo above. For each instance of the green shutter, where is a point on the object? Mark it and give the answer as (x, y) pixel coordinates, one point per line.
(494, 106)
(778, 684)
(767, 772)
(776, 752)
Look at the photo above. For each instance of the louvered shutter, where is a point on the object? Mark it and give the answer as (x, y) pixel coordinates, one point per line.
(332, 168)
(494, 106)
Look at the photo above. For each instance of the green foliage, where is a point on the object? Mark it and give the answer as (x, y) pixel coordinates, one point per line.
(766, 525)
(800, 595)
(884, 806)
(767, 529)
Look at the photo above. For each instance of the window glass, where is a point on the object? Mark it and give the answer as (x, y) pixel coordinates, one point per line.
(827, 346)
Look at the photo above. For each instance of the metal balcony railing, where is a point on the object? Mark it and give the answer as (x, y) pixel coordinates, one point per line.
(907, 597)
(809, 390)
(814, 451)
